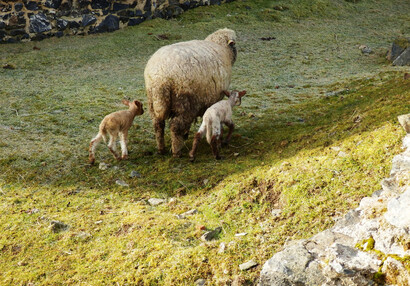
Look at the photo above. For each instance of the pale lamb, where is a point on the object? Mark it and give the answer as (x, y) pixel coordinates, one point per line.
(116, 124)
(212, 123)
(184, 79)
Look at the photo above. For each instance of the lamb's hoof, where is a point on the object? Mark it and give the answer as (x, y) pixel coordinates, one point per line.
(218, 157)
(91, 161)
(161, 152)
(191, 158)
(225, 143)
(124, 157)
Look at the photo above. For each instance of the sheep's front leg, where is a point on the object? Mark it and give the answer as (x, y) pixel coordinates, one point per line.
(179, 126)
(159, 127)
(93, 145)
(123, 143)
(231, 127)
(112, 147)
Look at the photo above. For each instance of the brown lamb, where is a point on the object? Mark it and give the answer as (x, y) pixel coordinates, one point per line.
(116, 124)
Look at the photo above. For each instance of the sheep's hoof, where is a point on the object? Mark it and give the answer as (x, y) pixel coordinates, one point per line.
(191, 158)
(217, 157)
(161, 152)
(225, 143)
(177, 155)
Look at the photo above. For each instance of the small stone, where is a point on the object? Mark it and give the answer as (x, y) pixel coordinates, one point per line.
(210, 235)
(58, 226)
(276, 213)
(222, 248)
(365, 49)
(342, 154)
(236, 154)
(172, 201)
(248, 265)
(336, 148)
(404, 121)
(135, 174)
(190, 212)
(121, 183)
(241, 234)
(103, 166)
(98, 222)
(83, 235)
(205, 182)
(200, 282)
(156, 201)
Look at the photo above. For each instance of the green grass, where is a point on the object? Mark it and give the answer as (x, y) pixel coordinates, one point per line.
(296, 149)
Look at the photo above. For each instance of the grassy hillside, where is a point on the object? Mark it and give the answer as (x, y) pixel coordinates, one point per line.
(315, 133)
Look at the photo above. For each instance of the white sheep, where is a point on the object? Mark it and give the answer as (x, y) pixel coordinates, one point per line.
(212, 123)
(116, 124)
(184, 79)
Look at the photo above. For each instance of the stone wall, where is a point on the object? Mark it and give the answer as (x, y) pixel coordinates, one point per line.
(24, 20)
(369, 246)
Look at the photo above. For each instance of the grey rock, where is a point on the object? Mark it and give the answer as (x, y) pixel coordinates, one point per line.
(88, 20)
(398, 210)
(121, 183)
(404, 121)
(155, 201)
(135, 174)
(58, 226)
(401, 163)
(210, 235)
(248, 265)
(188, 213)
(403, 59)
(109, 24)
(200, 282)
(39, 23)
(103, 166)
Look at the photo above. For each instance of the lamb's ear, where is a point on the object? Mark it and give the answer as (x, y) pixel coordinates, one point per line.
(126, 102)
(231, 43)
(242, 93)
(227, 93)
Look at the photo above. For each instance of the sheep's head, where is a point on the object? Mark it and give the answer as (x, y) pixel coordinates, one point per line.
(235, 96)
(226, 38)
(135, 105)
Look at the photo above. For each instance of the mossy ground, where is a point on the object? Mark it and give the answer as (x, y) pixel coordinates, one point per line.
(316, 132)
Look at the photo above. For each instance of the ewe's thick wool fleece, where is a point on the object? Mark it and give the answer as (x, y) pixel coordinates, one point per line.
(186, 78)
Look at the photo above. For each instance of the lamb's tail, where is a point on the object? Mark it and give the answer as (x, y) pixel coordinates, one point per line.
(103, 131)
(209, 132)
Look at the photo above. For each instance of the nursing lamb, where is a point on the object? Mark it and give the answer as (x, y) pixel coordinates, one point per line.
(212, 123)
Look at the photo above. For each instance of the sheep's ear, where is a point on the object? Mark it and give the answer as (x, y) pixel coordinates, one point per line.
(242, 93)
(227, 93)
(231, 43)
(126, 102)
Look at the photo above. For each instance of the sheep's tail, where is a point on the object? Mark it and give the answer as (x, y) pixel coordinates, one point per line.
(159, 100)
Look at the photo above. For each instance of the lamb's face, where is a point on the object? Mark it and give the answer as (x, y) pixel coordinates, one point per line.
(237, 98)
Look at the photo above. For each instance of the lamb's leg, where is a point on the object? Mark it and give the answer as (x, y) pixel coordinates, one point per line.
(179, 126)
(214, 146)
(93, 145)
(159, 127)
(112, 147)
(231, 127)
(123, 143)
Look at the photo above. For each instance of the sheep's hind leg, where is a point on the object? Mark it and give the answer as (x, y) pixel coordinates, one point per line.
(231, 127)
(93, 145)
(159, 127)
(197, 138)
(123, 143)
(214, 147)
(179, 126)
(112, 147)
